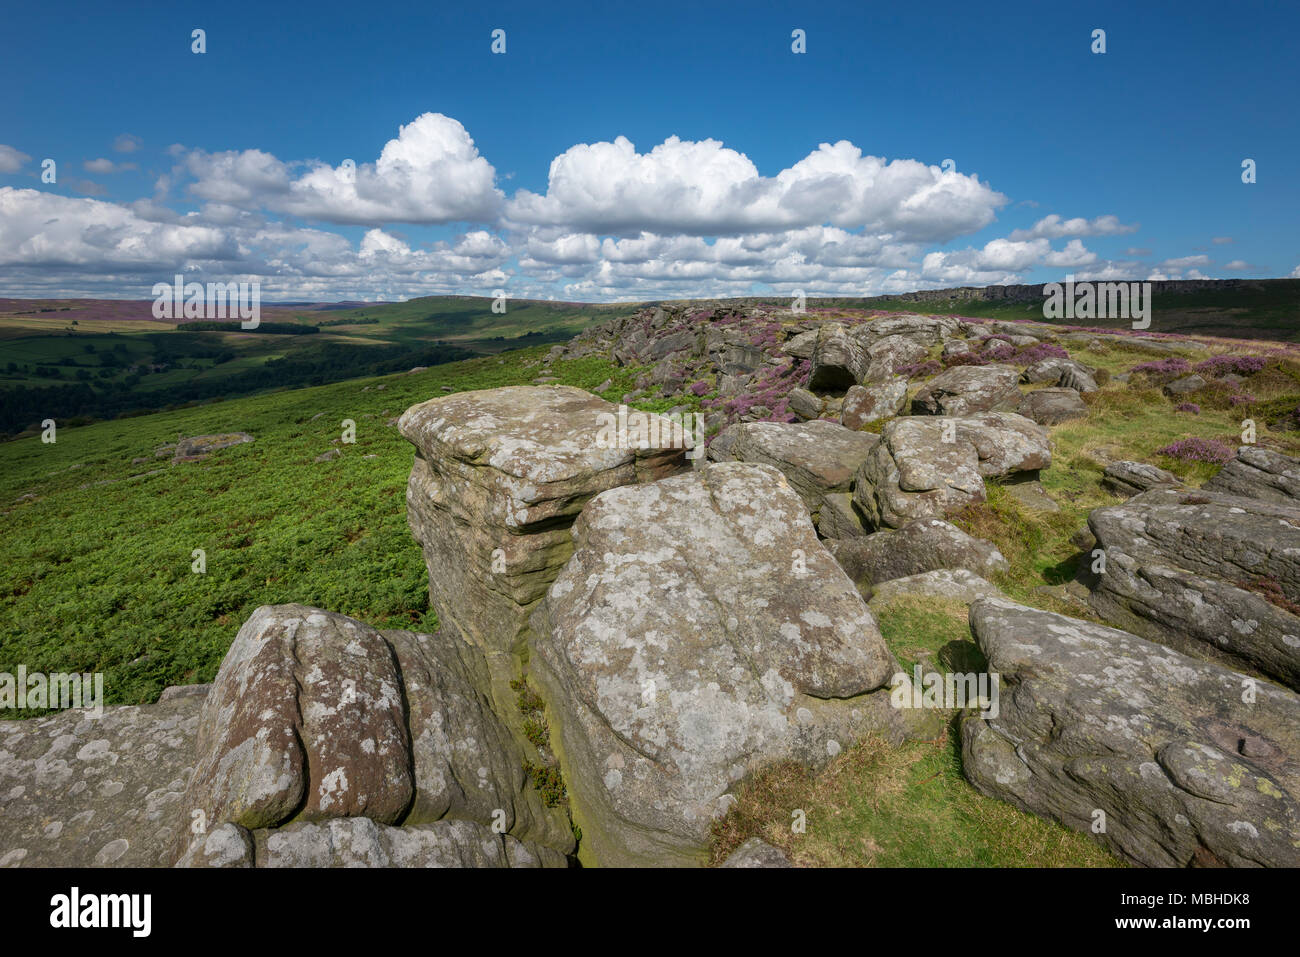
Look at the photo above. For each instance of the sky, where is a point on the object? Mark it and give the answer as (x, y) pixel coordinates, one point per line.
(621, 151)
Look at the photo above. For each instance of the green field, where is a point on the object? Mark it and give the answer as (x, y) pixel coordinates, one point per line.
(55, 368)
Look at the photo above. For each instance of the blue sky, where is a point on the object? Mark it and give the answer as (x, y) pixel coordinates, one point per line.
(511, 172)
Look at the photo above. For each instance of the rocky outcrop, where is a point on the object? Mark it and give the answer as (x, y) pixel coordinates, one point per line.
(699, 632)
(932, 466)
(887, 354)
(1132, 478)
(1259, 473)
(1214, 576)
(297, 692)
(922, 546)
(1065, 373)
(1165, 760)
(1053, 406)
(864, 405)
(952, 584)
(498, 478)
(817, 458)
(315, 716)
(837, 360)
(963, 390)
(360, 842)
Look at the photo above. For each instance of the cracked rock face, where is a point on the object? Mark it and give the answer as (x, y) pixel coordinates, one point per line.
(837, 360)
(1259, 473)
(499, 475)
(699, 631)
(931, 466)
(1092, 719)
(315, 716)
(306, 714)
(1065, 373)
(1194, 570)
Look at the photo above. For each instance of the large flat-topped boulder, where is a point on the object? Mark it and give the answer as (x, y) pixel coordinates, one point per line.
(817, 458)
(699, 632)
(1166, 760)
(499, 475)
(1215, 576)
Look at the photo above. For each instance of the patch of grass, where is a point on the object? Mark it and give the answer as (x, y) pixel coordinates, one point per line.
(96, 552)
(931, 632)
(879, 806)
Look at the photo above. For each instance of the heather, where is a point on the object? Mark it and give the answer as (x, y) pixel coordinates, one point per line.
(1199, 450)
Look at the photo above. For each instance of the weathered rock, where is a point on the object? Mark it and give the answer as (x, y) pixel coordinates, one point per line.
(931, 466)
(871, 403)
(1007, 444)
(82, 791)
(741, 359)
(913, 473)
(1094, 719)
(801, 346)
(1163, 345)
(886, 355)
(699, 632)
(817, 457)
(955, 347)
(1053, 406)
(360, 842)
(963, 390)
(198, 447)
(1259, 473)
(756, 852)
(281, 731)
(498, 477)
(837, 360)
(926, 331)
(838, 518)
(922, 546)
(956, 584)
(1193, 570)
(226, 845)
(465, 761)
(1131, 478)
(1186, 385)
(1065, 373)
(804, 404)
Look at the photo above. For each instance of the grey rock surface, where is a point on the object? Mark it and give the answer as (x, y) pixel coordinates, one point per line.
(1094, 720)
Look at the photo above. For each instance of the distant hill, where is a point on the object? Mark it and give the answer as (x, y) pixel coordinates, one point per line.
(101, 358)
